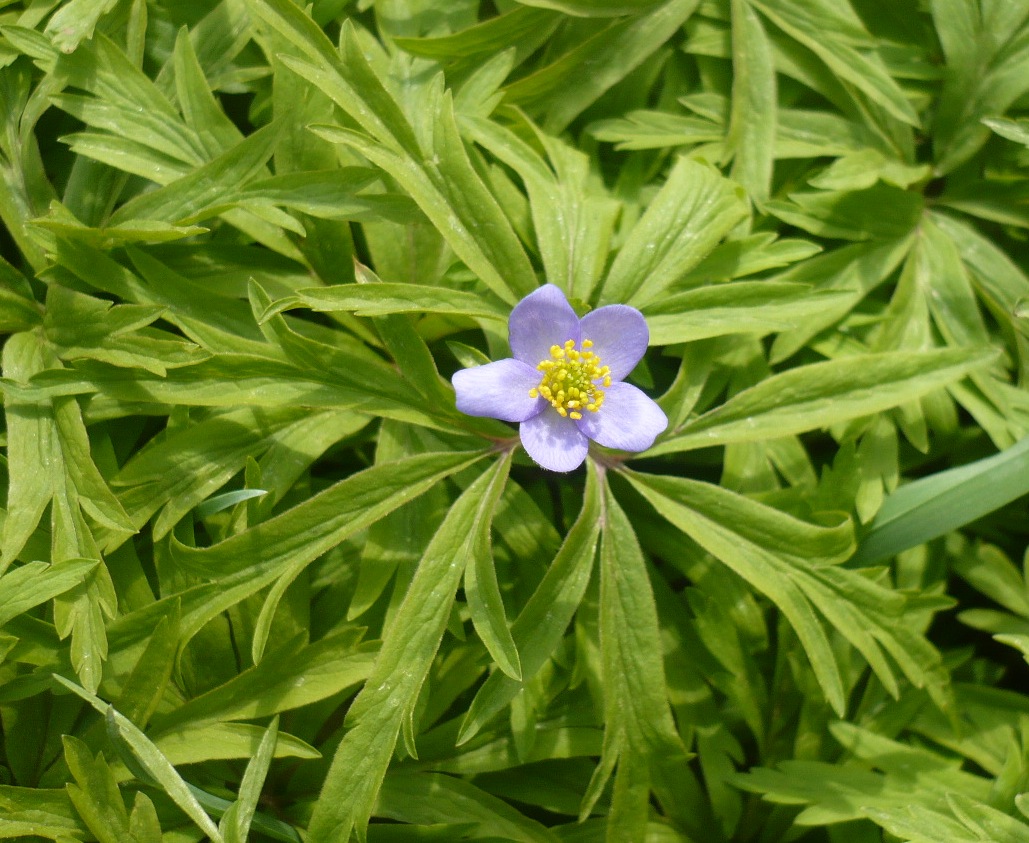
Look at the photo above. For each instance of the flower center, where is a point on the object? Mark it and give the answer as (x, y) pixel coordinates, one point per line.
(570, 379)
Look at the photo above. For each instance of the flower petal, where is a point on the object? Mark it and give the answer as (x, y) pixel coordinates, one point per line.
(541, 320)
(629, 420)
(620, 336)
(498, 390)
(554, 441)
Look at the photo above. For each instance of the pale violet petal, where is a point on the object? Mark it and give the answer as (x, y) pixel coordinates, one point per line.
(541, 320)
(620, 336)
(628, 420)
(498, 390)
(554, 441)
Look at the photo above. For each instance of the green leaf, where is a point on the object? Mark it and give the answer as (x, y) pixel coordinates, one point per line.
(39, 811)
(187, 199)
(742, 307)
(644, 129)
(573, 217)
(347, 78)
(440, 179)
(754, 102)
(638, 726)
(235, 823)
(822, 394)
(539, 627)
(384, 298)
(520, 25)
(833, 32)
(19, 311)
(52, 434)
(939, 268)
(126, 104)
(195, 744)
(289, 677)
(762, 546)
(201, 110)
(912, 796)
(144, 825)
(82, 327)
(466, 355)
(298, 536)
(695, 208)
(988, 570)
(1000, 278)
(274, 551)
(881, 211)
(30, 444)
(326, 194)
(91, 491)
(183, 469)
(227, 500)
(144, 688)
(486, 606)
(806, 133)
(597, 63)
(456, 201)
(861, 170)
(1013, 130)
(502, 753)
(391, 691)
(947, 500)
(434, 798)
(136, 746)
(34, 583)
(106, 237)
(987, 54)
(342, 381)
(866, 613)
(79, 612)
(75, 21)
(860, 267)
(95, 793)
(594, 8)
(630, 638)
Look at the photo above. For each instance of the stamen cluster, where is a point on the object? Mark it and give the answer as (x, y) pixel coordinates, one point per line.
(572, 379)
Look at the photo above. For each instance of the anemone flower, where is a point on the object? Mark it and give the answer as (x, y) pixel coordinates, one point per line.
(564, 383)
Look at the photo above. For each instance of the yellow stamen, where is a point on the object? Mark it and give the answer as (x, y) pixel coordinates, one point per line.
(572, 379)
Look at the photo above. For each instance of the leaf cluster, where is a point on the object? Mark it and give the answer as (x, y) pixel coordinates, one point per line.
(260, 580)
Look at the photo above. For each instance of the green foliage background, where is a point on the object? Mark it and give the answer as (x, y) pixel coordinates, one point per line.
(261, 580)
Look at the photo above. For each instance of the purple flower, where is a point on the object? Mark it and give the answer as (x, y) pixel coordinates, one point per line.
(564, 383)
